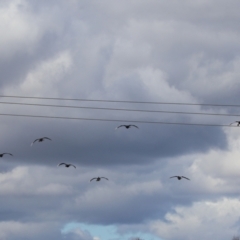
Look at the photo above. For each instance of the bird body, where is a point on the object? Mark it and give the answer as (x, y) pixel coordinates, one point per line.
(66, 165)
(127, 126)
(1, 155)
(98, 179)
(40, 140)
(180, 177)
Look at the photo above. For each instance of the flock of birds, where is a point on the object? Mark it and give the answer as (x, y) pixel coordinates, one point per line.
(67, 165)
(60, 164)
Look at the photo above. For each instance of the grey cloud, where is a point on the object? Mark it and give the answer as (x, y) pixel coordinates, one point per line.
(27, 230)
(154, 51)
(99, 143)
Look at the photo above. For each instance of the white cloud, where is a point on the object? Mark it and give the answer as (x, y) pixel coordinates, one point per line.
(20, 30)
(80, 234)
(29, 181)
(155, 82)
(214, 76)
(115, 195)
(44, 78)
(203, 220)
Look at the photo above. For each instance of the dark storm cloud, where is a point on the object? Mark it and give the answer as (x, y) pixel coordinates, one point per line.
(77, 203)
(93, 143)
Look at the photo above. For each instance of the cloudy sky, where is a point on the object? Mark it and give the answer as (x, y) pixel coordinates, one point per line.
(138, 51)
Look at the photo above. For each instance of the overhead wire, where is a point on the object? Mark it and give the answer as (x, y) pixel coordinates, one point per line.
(118, 109)
(116, 120)
(121, 109)
(120, 101)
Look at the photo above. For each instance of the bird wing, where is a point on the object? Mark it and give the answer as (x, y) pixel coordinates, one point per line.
(47, 138)
(34, 141)
(232, 123)
(61, 164)
(134, 126)
(104, 178)
(185, 178)
(7, 153)
(92, 179)
(72, 165)
(120, 126)
(174, 176)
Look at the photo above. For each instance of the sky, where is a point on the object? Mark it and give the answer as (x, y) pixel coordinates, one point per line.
(137, 51)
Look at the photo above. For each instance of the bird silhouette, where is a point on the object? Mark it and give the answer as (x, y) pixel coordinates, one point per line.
(127, 126)
(40, 140)
(180, 177)
(238, 123)
(1, 155)
(66, 164)
(98, 179)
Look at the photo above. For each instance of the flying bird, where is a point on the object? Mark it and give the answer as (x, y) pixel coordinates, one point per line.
(238, 123)
(180, 177)
(1, 155)
(127, 126)
(40, 140)
(66, 164)
(98, 178)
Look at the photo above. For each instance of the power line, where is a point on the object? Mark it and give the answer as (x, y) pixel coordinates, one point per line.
(117, 120)
(122, 101)
(121, 109)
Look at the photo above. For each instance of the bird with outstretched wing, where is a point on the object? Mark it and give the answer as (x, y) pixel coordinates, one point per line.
(66, 165)
(40, 140)
(180, 177)
(98, 178)
(127, 126)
